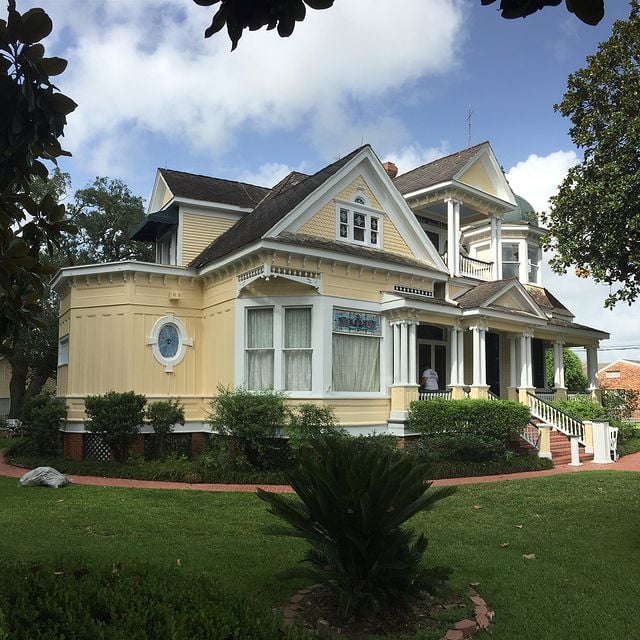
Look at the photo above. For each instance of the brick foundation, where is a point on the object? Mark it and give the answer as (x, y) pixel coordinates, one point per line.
(73, 446)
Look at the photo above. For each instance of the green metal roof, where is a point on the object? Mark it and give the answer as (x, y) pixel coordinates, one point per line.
(524, 212)
(148, 229)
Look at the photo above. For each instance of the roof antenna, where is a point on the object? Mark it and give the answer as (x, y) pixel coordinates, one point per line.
(470, 113)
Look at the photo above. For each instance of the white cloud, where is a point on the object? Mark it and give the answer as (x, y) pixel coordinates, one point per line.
(538, 177)
(268, 175)
(413, 155)
(147, 65)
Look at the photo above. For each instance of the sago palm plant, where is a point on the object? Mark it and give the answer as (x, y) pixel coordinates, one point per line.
(351, 508)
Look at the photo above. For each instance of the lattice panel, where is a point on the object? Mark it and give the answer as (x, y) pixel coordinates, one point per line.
(95, 449)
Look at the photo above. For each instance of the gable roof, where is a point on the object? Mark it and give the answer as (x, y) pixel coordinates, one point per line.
(546, 300)
(482, 293)
(286, 195)
(197, 187)
(439, 170)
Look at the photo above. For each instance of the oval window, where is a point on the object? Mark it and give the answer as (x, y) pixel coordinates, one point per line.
(168, 340)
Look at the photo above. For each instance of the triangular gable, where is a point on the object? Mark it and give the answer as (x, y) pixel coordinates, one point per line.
(483, 172)
(364, 171)
(160, 194)
(509, 294)
(514, 296)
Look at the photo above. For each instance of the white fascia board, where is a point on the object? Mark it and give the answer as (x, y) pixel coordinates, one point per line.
(211, 204)
(323, 254)
(588, 336)
(424, 190)
(523, 292)
(394, 303)
(367, 164)
(478, 193)
(128, 266)
(503, 315)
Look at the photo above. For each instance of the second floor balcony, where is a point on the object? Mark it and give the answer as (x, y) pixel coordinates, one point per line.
(472, 267)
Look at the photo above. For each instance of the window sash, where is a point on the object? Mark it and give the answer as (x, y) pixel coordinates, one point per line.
(359, 227)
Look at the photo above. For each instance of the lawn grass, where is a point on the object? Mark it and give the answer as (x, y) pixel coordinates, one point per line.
(583, 528)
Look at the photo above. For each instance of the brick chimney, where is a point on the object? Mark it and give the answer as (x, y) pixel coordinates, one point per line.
(391, 169)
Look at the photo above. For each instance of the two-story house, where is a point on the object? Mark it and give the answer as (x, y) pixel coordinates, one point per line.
(339, 287)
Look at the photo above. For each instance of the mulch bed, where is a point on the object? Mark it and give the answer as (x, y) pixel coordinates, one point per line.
(315, 608)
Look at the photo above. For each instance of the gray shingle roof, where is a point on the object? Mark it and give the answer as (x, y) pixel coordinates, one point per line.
(481, 293)
(197, 187)
(546, 300)
(284, 197)
(348, 249)
(437, 171)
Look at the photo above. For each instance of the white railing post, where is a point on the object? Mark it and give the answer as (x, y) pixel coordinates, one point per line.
(575, 452)
(601, 445)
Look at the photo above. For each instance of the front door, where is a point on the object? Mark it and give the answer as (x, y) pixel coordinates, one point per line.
(433, 355)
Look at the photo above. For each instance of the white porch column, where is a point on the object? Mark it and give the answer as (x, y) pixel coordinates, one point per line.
(453, 236)
(453, 357)
(396, 352)
(496, 247)
(526, 366)
(592, 367)
(479, 384)
(413, 377)
(404, 360)
(558, 364)
(460, 331)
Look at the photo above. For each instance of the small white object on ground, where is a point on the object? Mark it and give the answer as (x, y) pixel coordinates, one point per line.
(45, 477)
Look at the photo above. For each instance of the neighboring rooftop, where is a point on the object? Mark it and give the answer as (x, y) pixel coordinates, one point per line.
(439, 170)
(197, 187)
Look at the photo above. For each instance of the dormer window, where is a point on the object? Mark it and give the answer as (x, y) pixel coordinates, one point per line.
(357, 225)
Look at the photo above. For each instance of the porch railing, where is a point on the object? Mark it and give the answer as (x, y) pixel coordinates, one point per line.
(492, 396)
(430, 395)
(578, 396)
(531, 434)
(559, 420)
(547, 396)
(474, 268)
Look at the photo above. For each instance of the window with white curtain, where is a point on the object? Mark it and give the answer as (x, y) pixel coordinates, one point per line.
(259, 349)
(356, 350)
(297, 349)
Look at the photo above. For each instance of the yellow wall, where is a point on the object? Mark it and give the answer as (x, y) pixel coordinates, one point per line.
(476, 176)
(323, 223)
(198, 232)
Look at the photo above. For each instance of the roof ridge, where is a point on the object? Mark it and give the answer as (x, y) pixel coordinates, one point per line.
(201, 175)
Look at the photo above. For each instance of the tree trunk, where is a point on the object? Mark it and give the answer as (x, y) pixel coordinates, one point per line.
(36, 383)
(17, 390)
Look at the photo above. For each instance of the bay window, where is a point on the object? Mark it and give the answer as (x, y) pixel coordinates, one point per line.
(260, 352)
(533, 255)
(510, 260)
(297, 349)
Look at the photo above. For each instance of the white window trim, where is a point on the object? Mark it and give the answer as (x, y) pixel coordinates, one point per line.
(63, 350)
(368, 212)
(321, 343)
(185, 341)
(167, 248)
(537, 264)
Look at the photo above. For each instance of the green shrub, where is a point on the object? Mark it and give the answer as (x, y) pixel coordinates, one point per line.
(44, 414)
(162, 416)
(581, 409)
(467, 430)
(254, 418)
(116, 418)
(308, 421)
(352, 506)
(620, 404)
(90, 604)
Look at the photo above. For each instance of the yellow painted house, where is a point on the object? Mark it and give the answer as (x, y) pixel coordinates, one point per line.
(340, 287)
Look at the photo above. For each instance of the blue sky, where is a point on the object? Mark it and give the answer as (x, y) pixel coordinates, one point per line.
(399, 75)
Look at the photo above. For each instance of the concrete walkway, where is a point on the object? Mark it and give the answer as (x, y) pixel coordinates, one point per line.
(628, 463)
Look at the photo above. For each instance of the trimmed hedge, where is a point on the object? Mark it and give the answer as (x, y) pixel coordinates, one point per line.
(467, 430)
(42, 603)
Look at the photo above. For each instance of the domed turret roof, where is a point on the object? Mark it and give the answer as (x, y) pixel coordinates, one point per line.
(524, 212)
